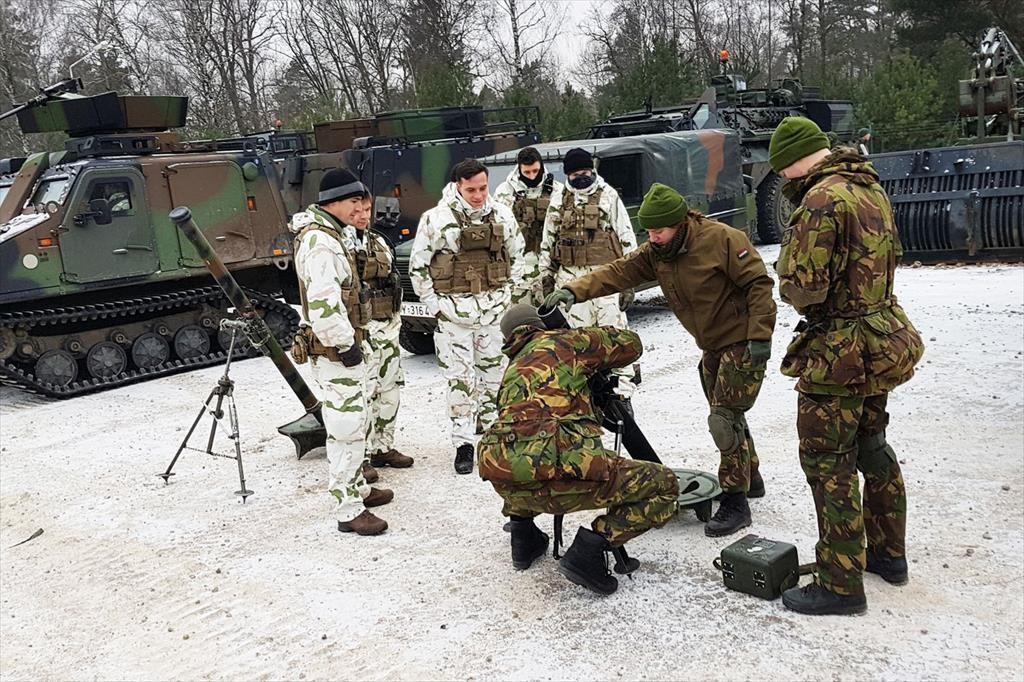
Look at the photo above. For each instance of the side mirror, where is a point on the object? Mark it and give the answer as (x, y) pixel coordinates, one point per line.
(100, 209)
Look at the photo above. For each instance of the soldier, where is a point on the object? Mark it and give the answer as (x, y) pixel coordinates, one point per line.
(335, 317)
(587, 228)
(465, 261)
(381, 354)
(530, 191)
(544, 454)
(717, 285)
(854, 345)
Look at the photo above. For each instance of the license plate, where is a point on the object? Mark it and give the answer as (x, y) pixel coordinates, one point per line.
(415, 310)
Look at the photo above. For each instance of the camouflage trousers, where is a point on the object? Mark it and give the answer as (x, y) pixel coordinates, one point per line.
(638, 496)
(344, 412)
(384, 381)
(731, 384)
(471, 360)
(531, 289)
(838, 436)
(602, 312)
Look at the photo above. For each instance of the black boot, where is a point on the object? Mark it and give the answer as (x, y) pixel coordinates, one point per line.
(585, 564)
(892, 569)
(815, 600)
(733, 514)
(464, 459)
(756, 486)
(528, 542)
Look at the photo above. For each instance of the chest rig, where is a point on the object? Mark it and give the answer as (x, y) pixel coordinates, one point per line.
(382, 284)
(482, 263)
(582, 241)
(353, 297)
(530, 214)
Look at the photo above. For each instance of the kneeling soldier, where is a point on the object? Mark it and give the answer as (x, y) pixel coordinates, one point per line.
(544, 454)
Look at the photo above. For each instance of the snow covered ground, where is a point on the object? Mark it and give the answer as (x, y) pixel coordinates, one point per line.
(135, 579)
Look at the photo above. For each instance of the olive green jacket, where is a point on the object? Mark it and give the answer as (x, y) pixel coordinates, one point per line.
(717, 286)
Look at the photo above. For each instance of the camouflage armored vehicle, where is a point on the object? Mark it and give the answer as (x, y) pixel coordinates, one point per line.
(404, 155)
(97, 288)
(705, 166)
(754, 114)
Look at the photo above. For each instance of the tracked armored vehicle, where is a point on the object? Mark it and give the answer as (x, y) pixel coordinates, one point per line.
(754, 113)
(97, 288)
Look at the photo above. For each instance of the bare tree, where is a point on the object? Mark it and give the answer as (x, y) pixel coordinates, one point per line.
(531, 27)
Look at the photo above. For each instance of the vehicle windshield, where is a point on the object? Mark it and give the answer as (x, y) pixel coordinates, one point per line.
(3, 192)
(51, 189)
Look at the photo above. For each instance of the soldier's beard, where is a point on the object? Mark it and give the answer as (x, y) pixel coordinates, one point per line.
(670, 249)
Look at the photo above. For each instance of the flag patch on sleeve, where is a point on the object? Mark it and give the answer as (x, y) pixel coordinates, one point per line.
(742, 254)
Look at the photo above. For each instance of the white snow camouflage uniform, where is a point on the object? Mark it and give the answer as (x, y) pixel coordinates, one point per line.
(468, 337)
(382, 358)
(598, 312)
(323, 266)
(507, 193)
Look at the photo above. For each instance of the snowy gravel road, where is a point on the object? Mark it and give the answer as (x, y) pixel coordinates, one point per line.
(132, 579)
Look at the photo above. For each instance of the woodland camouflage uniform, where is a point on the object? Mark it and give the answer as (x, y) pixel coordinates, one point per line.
(854, 345)
(544, 454)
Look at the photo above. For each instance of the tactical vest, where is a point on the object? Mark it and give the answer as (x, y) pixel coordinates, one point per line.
(482, 263)
(379, 277)
(581, 239)
(530, 214)
(353, 297)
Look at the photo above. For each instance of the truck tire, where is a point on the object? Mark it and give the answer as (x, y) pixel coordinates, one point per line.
(417, 343)
(773, 209)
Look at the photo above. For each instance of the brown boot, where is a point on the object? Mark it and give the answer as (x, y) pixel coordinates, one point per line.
(378, 497)
(364, 524)
(391, 458)
(369, 473)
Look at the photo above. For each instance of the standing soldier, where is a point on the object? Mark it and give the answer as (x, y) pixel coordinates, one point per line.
(717, 285)
(335, 315)
(854, 345)
(466, 259)
(530, 191)
(589, 227)
(381, 354)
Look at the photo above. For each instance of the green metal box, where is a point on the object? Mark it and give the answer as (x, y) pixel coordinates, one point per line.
(758, 566)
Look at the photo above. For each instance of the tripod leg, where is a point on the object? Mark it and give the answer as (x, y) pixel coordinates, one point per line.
(243, 491)
(217, 415)
(202, 410)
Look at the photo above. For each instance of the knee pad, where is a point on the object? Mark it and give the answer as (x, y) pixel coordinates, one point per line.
(874, 454)
(725, 430)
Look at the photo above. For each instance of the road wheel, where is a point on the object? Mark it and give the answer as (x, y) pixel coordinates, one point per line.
(106, 360)
(57, 367)
(417, 343)
(773, 209)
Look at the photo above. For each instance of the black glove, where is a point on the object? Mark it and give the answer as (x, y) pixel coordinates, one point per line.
(353, 356)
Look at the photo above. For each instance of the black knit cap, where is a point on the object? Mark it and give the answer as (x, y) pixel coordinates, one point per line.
(339, 184)
(577, 159)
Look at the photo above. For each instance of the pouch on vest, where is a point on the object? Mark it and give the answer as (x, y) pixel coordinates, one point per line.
(442, 270)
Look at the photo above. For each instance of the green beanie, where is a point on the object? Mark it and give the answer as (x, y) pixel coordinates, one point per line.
(795, 138)
(662, 207)
(518, 315)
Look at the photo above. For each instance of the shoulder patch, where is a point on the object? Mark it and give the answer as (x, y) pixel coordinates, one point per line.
(742, 253)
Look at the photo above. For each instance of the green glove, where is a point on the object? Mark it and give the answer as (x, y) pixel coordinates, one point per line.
(560, 296)
(759, 351)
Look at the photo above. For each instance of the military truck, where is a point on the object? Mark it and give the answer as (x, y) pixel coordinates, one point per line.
(404, 157)
(704, 165)
(97, 287)
(754, 114)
